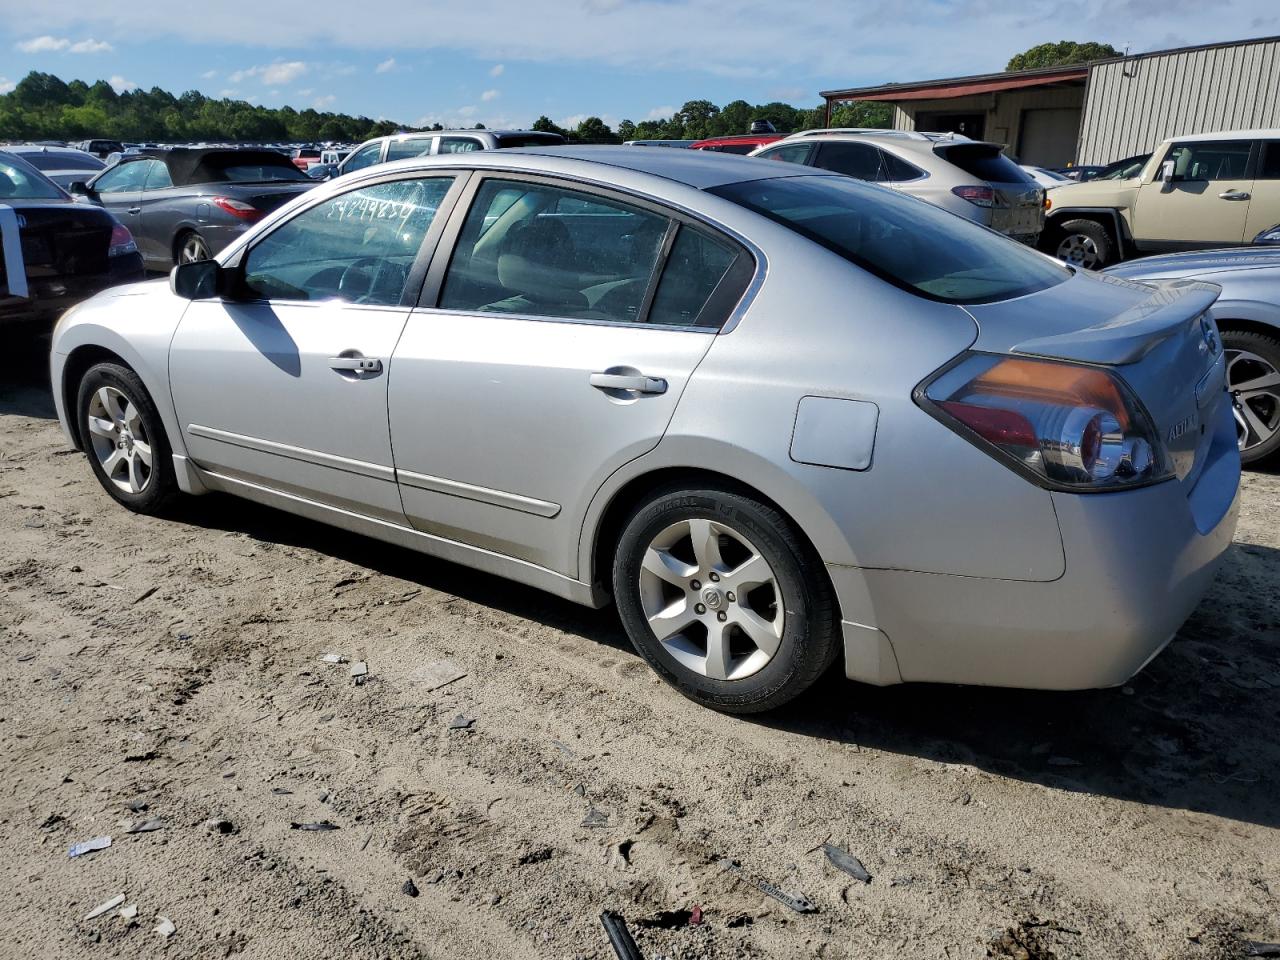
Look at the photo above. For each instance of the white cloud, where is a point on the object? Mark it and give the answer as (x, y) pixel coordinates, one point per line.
(278, 74)
(306, 92)
(48, 44)
(229, 93)
(208, 74)
(120, 85)
(468, 111)
(497, 70)
(7, 86)
(92, 46)
(490, 95)
(660, 113)
(326, 101)
(386, 66)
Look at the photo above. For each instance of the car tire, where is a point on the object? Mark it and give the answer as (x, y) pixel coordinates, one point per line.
(1082, 243)
(745, 603)
(1252, 356)
(191, 247)
(121, 430)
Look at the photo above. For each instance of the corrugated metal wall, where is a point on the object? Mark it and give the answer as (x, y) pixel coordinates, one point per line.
(1134, 104)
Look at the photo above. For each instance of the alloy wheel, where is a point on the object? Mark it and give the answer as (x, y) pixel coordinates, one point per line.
(711, 599)
(119, 439)
(193, 250)
(1254, 385)
(1079, 251)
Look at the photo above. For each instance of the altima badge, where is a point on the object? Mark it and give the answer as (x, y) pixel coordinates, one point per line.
(1181, 427)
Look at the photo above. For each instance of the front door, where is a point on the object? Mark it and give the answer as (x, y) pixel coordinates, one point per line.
(1264, 205)
(119, 190)
(566, 327)
(1206, 203)
(286, 387)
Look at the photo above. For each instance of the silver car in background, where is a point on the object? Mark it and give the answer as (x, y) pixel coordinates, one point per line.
(778, 417)
(972, 179)
(1248, 317)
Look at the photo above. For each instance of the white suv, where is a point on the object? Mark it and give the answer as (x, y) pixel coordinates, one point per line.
(399, 146)
(967, 177)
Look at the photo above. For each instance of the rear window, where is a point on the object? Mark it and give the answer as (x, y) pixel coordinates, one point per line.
(63, 160)
(261, 173)
(20, 182)
(911, 244)
(984, 162)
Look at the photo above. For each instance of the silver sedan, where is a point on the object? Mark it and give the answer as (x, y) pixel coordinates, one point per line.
(779, 417)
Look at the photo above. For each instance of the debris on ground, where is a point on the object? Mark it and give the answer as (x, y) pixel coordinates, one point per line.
(165, 927)
(322, 825)
(461, 723)
(843, 860)
(129, 912)
(88, 846)
(409, 888)
(1255, 948)
(615, 929)
(333, 658)
(106, 905)
(147, 826)
(435, 674)
(136, 806)
(800, 904)
(695, 916)
(668, 919)
(281, 791)
(595, 818)
(146, 593)
(218, 825)
(359, 672)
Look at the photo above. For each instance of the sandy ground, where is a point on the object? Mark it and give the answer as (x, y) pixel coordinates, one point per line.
(175, 663)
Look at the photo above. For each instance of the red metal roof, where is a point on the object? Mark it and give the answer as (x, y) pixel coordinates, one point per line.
(946, 91)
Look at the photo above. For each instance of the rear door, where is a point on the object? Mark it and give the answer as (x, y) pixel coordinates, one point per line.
(861, 161)
(286, 387)
(552, 346)
(1264, 204)
(1206, 204)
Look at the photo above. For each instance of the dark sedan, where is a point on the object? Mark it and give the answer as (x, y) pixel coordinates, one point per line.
(187, 204)
(54, 252)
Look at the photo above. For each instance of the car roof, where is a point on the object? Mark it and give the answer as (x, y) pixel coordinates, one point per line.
(700, 169)
(1272, 133)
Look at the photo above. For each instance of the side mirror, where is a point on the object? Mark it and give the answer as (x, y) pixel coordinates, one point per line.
(1166, 171)
(200, 280)
(78, 188)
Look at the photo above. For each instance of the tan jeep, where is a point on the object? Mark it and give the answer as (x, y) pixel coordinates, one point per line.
(1206, 190)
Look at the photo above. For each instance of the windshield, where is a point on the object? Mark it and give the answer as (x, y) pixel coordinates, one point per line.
(63, 160)
(20, 182)
(1124, 169)
(911, 244)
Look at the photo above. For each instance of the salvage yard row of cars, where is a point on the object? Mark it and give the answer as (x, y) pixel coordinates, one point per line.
(618, 330)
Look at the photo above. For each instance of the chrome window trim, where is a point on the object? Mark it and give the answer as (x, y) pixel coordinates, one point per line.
(363, 468)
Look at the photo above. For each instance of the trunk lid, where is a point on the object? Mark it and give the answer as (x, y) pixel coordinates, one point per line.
(265, 196)
(62, 239)
(1018, 201)
(1018, 209)
(1158, 337)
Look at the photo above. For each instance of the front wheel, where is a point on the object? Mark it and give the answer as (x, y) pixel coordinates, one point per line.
(725, 599)
(1253, 382)
(1083, 243)
(124, 439)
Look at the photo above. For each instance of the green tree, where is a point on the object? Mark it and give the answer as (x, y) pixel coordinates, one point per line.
(861, 113)
(626, 130)
(594, 130)
(545, 125)
(1061, 54)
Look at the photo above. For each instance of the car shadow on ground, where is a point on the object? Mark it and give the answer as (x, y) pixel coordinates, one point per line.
(1194, 731)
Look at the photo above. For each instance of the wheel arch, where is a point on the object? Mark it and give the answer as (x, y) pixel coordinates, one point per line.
(1109, 218)
(1247, 317)
(77, 364)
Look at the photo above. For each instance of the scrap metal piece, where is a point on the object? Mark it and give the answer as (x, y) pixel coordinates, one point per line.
(843, 860)
(615, 928)
(103, 907)
(800, 904)
(88, 846)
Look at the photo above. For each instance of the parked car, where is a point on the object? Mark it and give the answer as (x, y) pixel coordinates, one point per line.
(184, 205)
(54, 252)
(1248, 317)
(303, 157)
(967, 177)
(741, 145)
(100, 148)
(681, 144)
(780, 417)
(1195, 192)
(403, 145)
(1044, 176)
(62, 165)
(1081, 173)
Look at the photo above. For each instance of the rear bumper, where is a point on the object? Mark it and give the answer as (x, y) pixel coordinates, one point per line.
(1137, 564)
(49, 297)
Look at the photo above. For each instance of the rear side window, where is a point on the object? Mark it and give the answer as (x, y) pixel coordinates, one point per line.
(860, 160)
(983, 161)
(414, 147)
(907, 242)
(1270, 166)
(897, 170)
(459, 145)
(697, 265)
(791, 153)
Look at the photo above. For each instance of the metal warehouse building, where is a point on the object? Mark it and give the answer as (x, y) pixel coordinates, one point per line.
(1096, 112)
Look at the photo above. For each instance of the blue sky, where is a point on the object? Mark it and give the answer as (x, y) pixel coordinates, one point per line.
(504, 63)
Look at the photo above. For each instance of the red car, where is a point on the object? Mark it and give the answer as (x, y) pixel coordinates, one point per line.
(742, 144)
(304, 157)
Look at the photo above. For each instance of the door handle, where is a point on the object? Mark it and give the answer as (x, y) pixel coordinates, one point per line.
(1233, 195)
(134, 210)
(356, 364)
(637, 383)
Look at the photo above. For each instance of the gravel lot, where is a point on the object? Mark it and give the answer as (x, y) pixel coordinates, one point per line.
(176, 663)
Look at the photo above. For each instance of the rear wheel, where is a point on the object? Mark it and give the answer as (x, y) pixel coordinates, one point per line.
(724, 599)
(1083, 243)
(192, 248)
(1253, 381)
(124, 439)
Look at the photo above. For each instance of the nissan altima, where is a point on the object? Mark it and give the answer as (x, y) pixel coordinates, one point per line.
(780, 418)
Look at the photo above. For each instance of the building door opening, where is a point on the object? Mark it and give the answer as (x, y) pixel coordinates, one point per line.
(1047, 138)
(972, 125)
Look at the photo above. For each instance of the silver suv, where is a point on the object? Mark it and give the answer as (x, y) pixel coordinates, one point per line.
(967, 177)
(400, 146)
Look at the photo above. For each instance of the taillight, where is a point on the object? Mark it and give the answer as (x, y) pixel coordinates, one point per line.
(237, 208)
(122, 242)
(1065, 425)
(978, 196)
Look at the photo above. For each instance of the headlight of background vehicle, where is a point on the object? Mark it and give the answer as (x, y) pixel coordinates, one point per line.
(1065, 425)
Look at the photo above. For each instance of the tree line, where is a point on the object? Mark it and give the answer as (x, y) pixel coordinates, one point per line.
(43, 107)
